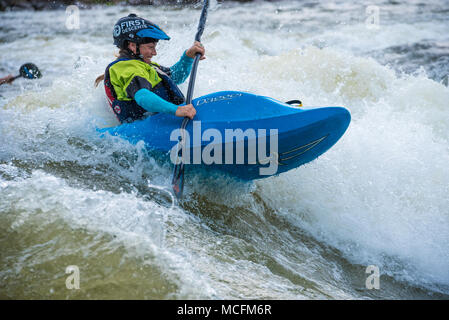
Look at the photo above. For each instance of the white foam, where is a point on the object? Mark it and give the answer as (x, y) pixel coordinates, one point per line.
(379, 195)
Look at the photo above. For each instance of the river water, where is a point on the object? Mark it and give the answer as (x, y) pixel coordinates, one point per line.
(378, 198)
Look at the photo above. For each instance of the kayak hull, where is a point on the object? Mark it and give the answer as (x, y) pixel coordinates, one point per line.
(248, 136)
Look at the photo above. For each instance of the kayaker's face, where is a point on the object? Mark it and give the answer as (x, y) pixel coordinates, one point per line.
(147, 50)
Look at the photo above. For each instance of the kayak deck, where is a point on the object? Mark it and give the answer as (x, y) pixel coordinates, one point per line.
(246, 135)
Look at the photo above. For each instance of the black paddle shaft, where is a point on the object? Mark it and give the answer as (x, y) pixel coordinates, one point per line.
(178, 172)
(198, 35)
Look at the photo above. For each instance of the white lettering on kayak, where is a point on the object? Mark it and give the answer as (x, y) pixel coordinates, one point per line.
(218, 98)
(237, 144)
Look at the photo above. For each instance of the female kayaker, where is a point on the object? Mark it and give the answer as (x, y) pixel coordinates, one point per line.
(137, 87)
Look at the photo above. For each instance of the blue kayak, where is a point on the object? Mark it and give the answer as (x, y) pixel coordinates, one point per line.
(248, 136)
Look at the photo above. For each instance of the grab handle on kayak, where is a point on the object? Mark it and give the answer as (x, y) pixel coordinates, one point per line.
(295, 102)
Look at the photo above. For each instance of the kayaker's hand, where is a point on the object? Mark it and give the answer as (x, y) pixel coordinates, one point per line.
(196, 48)
(8, 79)
(186, 111)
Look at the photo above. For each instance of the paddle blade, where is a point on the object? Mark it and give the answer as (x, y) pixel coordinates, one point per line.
(30, 71)
(178, 181)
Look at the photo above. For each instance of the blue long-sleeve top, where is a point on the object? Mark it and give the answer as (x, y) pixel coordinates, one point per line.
(152, 102)
(181, 69)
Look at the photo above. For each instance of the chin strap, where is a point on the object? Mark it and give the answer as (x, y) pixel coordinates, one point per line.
(138, 51)
(136, 55)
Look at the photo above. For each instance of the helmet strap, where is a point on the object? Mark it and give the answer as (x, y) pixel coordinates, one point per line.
(138, 51)
(136, 55)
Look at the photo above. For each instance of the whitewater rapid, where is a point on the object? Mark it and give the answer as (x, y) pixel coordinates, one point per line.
(378, 197)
